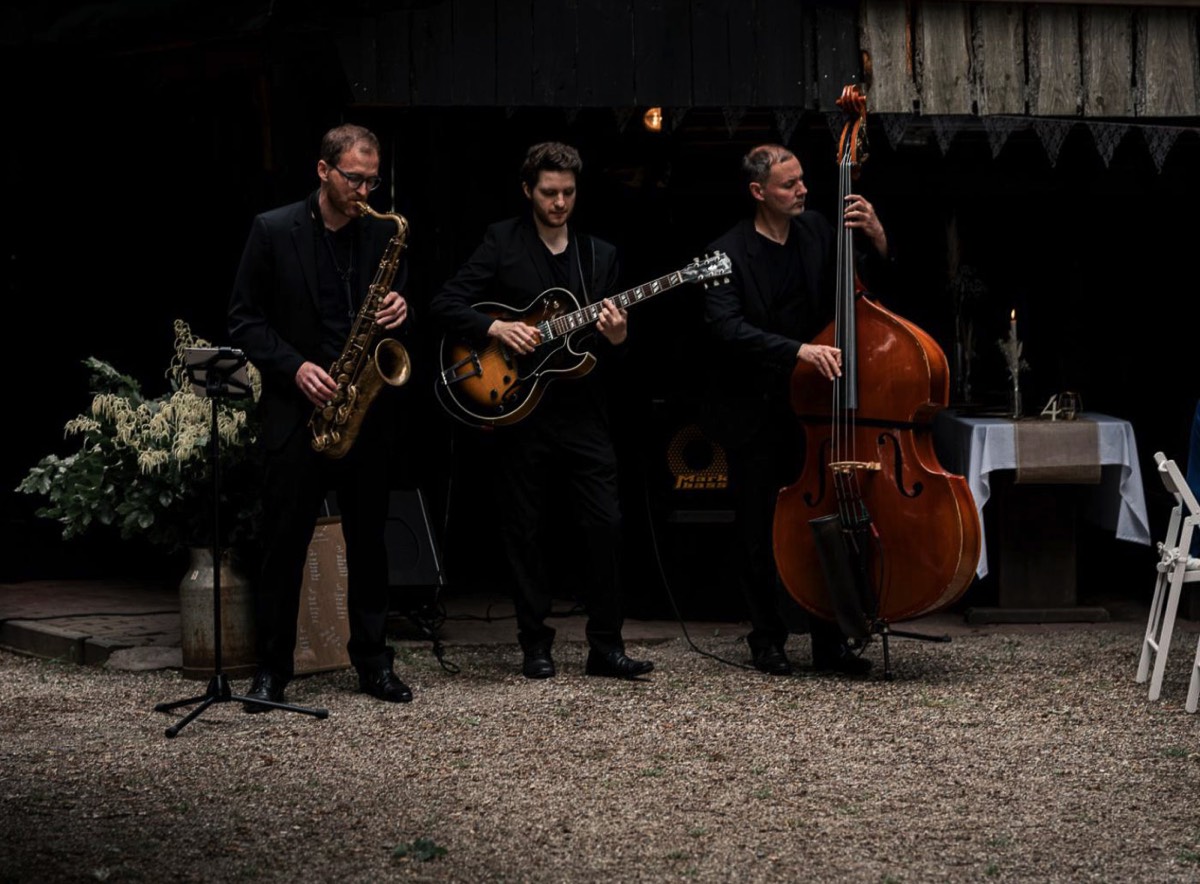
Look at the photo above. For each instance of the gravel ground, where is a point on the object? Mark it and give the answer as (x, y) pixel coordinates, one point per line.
(1008, 757)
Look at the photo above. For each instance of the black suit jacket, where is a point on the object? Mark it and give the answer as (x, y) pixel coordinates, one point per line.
(512, 266)
(273, 311)
(755, 347)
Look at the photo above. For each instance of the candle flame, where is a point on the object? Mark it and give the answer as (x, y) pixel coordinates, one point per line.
(1014, 315)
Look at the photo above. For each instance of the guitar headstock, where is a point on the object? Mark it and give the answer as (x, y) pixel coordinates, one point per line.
(716, 266)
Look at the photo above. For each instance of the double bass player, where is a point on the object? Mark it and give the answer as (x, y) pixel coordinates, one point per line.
(779, 296)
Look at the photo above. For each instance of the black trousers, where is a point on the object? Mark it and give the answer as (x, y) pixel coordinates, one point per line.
(561, 454)
(297, 482)
(770, 459)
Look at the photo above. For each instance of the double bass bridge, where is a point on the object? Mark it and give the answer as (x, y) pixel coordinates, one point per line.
(845, 467)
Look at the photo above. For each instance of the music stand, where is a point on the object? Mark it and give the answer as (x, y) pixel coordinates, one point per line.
(215, 373)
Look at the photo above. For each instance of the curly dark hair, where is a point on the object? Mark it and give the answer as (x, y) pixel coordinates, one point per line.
(549, 156)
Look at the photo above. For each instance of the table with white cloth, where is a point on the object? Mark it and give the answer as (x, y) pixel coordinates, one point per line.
(1036, 529)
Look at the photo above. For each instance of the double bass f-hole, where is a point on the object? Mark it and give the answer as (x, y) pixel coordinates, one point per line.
(884, 440)
(898, 453)
(823, 457)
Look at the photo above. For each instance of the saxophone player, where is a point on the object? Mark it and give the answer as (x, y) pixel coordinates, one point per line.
(304, 272)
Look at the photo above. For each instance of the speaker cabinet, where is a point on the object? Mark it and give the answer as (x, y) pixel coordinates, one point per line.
(414, 564)
(692, 509)
(414, 561)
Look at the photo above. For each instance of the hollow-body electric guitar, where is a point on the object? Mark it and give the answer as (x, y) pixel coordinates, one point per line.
(493, 385)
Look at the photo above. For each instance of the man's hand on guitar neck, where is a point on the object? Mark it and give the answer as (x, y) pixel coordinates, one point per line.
(515, 335)
(612, 322)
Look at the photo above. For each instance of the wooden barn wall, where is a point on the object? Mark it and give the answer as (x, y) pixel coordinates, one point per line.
(990, 57)
(599, 53)
(1031, 58)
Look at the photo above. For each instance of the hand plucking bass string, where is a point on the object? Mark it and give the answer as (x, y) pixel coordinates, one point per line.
(860, 215)
(316, 384)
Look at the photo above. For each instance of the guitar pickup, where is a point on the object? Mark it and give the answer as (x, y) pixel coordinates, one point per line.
(474, 368)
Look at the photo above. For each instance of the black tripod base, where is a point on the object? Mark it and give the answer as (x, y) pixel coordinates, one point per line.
(886, 632)
(220, 692)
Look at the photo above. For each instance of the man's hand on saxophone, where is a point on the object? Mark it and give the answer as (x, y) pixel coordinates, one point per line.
(393, 310)
(315, 383)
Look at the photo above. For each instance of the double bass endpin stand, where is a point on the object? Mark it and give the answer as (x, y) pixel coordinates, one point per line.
(885, 631)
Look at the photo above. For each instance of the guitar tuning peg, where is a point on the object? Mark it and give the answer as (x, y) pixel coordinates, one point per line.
(695, 260)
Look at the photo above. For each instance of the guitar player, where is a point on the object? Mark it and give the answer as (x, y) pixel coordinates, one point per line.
(564, 444)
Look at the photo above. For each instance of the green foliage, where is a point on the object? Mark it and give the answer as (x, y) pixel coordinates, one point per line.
(142, 465)
(423, 849)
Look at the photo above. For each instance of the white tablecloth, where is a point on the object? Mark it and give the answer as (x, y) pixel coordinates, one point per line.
(975, 446)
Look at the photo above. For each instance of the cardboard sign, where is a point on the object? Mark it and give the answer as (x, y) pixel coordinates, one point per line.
(323, 626)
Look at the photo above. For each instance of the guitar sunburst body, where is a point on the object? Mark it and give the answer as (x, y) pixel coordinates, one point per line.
(496, 386)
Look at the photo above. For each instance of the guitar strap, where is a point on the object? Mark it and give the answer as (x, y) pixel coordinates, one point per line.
(584, 277)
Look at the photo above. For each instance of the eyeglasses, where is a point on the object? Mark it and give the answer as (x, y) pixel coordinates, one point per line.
(356, 181)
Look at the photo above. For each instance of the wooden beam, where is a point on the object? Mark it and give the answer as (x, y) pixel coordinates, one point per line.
(474, 34)
(393, 58)
(886, 38)
(662, 53)
(712, 72)
(943, 40)
(998, 47)
(1107, 56)
(1168, 62)
(433, 54)
(784, 50)
(605, 54)
(514, 51)
(1054, 69)
(555, 51)
(838, 57)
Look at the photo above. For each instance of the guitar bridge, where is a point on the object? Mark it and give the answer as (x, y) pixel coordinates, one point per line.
(471, 362)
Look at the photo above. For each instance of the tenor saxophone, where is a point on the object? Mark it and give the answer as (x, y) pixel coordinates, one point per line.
(368, 361)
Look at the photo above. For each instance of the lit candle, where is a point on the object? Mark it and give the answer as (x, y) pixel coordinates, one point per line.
(1012, 325)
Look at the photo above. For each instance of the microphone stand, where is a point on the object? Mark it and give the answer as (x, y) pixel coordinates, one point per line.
(219, 373)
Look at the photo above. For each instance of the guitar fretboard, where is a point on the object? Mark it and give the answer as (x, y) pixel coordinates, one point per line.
(569, 322)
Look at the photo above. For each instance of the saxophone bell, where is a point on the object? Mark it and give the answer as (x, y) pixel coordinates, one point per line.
(393, 363)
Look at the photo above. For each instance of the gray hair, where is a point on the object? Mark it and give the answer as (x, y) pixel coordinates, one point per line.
(758, 162)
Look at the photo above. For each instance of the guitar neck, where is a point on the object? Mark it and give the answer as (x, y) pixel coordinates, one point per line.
(569, 322)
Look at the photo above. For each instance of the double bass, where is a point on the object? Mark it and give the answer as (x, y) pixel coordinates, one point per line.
(873, 531)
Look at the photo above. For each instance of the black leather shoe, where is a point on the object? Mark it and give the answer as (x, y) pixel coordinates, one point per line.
(382, 684)
(538, 663)
(772, 660)
(615, 664)
(841, 660)
(265, 686)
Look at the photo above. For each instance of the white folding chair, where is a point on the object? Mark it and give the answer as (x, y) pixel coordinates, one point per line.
(1194, 688)
(1175, 568)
